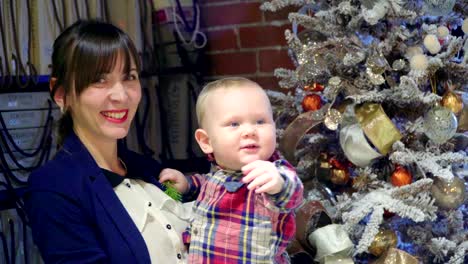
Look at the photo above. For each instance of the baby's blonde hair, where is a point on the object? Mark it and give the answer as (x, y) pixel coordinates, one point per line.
(225, 83)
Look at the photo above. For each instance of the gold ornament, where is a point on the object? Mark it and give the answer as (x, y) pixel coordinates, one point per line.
(452, 101)
(377, 126)
(448, 194)
(384, 240)
(339, 176)
(396, 256)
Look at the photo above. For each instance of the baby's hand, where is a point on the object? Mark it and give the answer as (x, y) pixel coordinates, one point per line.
(263, 177)
(176, 177)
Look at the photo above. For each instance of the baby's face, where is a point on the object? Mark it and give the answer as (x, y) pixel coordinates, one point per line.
(240, 126)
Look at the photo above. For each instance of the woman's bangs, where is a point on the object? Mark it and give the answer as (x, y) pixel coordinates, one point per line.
(96, 57)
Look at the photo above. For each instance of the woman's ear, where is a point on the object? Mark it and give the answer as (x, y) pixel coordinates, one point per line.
(59, 95)
(203, 141)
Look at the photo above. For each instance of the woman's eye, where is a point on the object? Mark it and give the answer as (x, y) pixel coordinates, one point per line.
(132, 77)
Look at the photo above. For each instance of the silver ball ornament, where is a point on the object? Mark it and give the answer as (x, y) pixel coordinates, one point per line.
(440, 124)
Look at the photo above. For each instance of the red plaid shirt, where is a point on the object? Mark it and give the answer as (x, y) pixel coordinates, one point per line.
(234, 225)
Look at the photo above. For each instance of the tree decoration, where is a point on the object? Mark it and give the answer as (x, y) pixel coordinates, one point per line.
(396, 256)
(452, 101)
(311, 102)
(419, 62)
(400, 176)
(315, 87)
(388, 54)
(448, 194)
(432, 44)
(384, 240)
(440, 124)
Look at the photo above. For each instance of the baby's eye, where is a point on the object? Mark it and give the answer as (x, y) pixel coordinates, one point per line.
(260, 122)
(234, 124)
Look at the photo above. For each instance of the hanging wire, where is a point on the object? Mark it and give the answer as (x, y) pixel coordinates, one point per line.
(196, 34)
(56, 16)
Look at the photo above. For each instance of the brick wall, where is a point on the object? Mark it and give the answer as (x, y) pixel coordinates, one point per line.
(245, 41)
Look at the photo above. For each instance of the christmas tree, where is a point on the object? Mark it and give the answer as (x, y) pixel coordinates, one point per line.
(374, 117)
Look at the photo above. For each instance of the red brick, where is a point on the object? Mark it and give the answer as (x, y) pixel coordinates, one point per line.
(233, 63)
(281, 14)
(262, 36)
(268, 82)
(232, 14)
(269, 60)
(222, 39)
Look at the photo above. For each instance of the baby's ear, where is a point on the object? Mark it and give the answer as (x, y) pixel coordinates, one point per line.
(203, 141)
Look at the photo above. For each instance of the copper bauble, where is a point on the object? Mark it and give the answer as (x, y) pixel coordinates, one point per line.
(311, 102)
(452, 101)
(384, 240)
(400, 176)
(448, 194)
(339, 176)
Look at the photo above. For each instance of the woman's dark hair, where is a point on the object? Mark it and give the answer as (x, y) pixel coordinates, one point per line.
(81, 54)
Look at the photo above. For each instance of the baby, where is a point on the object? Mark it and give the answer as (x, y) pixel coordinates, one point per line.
(245, 208)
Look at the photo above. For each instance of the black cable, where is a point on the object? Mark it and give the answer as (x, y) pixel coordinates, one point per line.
(33, 76)
(5, 53)
(12, 241)
(5, 248)
(15, 146)
(56, 16)
(20, 69)
(77, 9)
(88, 10)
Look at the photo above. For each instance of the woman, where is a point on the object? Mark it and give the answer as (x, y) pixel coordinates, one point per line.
(95, 202)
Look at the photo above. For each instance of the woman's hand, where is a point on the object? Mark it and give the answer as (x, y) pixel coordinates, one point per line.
(177, 179)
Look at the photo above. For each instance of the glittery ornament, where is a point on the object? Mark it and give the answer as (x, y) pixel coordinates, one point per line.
(334, 81)
(311, 102)
(452, 101)
(448, 194)
(375, 79)
(339, 176)
(333, 119)
(398, 65)
(439, 7)
(315, 87)
(440, 124)
(377, 64)
(384, 240)
(400, 176)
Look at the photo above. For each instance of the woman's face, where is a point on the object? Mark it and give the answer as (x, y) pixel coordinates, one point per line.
(104, 110)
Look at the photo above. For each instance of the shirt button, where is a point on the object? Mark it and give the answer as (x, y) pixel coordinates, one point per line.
(179, 256)
(168, 226)
(195, 231)
(149, 204)
(128, 185)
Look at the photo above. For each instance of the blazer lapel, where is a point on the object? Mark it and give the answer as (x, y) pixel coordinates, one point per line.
(121, 218)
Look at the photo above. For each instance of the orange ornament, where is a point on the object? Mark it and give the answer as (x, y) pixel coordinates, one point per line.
(400, 176)
(311, 102)
(316, 87)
